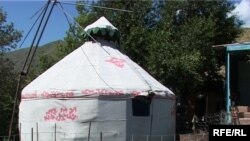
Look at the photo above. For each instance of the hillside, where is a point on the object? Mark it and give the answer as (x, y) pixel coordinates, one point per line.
(18, 56)
(245, 36)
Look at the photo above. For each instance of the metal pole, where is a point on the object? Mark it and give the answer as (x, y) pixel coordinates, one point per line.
(14, 106)
(40, 36)
(20, 131)
(55, 132)
(100, 136)
(206, 117)
(36, 131)
(132, 137)
(89, 130)
(34, 39)
(31, 134)
(24, 72)
(228, 101)
(151, 120)
(206, 105)
(175, 107)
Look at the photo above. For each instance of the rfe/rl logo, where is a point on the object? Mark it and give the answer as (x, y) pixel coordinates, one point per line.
(229, 132)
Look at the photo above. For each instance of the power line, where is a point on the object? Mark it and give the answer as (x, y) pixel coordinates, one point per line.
(130, 65)
(32, 26)
(27, 58)
(66, 13)
(37, 12)
(34, 39)
(40, 36)
(97, 6)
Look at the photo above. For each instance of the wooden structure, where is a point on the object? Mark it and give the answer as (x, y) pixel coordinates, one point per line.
(229, 49)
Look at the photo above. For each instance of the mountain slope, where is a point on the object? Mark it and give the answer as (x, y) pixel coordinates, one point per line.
(245, 36)
(19, 56)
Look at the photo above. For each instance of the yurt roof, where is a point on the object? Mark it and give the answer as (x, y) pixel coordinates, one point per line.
(94, 69)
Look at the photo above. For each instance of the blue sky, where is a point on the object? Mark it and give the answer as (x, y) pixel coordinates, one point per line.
(20, 11)
(242, 9)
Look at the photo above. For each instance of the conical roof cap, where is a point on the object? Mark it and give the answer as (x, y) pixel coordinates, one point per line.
(102, 28)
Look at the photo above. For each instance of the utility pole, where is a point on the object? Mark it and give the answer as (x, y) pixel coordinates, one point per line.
(30, 56)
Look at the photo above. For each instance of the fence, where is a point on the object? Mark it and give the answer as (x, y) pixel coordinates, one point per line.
(12, 138)
(82, 137)
(200, 127)
(152, 137)
(202, 124)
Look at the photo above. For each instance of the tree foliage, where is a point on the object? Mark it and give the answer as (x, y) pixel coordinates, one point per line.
(170, 39)
(8, 35)
(8, 39)
(7, 92)
(183, 58)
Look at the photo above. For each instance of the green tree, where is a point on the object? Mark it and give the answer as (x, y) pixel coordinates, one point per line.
(8, 39)
(170, 39)
(7, 92)
(132, 28)
(46, 62)
(8, 35)
(180, 54)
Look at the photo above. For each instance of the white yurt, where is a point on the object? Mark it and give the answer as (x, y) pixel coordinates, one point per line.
(96, 93)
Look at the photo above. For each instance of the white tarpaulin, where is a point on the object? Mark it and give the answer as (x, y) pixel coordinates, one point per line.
(91, 70)
(89, 93)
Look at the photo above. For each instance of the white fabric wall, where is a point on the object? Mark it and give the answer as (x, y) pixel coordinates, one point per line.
(163, 123)
(112, 117)
(106, 116)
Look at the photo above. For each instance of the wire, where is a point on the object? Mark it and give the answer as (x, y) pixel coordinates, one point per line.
(22, 72)
(76, 22)
(37, 12)
(14, 106)
(133, 68)
(31, 47)
(84, 51)
(96, 70)
(31, 28)
(130, 65)
(40, 36)
(65, 15)
(96, 6)
(81, 27)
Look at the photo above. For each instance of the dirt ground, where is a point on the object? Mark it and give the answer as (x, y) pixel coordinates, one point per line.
(193, 137)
